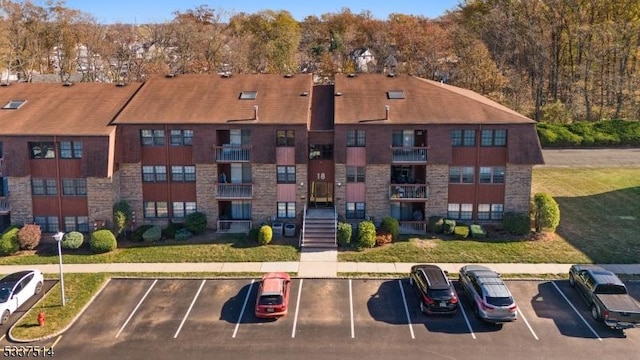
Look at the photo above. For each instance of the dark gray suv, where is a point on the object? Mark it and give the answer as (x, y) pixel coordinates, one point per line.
(434, 290)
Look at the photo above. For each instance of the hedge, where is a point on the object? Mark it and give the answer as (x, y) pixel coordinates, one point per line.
(72, 240)
(102, 241)
(265, 235)
(366, 234)
(344, 233)
(547, 212)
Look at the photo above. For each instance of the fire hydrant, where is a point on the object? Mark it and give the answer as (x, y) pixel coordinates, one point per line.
(41, 318)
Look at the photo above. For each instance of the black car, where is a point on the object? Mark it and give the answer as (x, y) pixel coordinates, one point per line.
(434, 290)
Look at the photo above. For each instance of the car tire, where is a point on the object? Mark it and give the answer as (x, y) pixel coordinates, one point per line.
(5, 317)
(572, 281)
(595, 313)
(38, 288)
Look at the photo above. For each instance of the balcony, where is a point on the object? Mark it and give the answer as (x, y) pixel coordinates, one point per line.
(413, 227)
(409, 155)
(408, 192)
(234, 191)
(233, 153)
(234, 226)
(5, 208)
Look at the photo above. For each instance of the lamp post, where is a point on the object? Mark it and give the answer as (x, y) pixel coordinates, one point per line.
(58, 237)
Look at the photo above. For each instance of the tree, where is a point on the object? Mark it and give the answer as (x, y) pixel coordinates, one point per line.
(547, 213)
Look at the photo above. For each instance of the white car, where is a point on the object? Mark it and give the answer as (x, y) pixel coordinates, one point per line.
(16, 289)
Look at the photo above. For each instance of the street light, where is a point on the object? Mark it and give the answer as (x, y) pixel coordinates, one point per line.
(58, 237)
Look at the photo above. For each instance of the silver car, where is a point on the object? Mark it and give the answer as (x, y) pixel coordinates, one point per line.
(488, 294)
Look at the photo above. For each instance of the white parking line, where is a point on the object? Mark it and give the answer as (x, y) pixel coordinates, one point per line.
(406, 309)
(353, 334)
(246, 298)
(529, 326)
(189, 310)
(295, 319)
(466, 319)
(136, 308)
(576, 311)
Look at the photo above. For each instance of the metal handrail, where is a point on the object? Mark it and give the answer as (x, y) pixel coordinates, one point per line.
(335, 226)
(304, 222)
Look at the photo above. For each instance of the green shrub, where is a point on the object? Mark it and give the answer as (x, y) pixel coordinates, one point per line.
(461, 231)
(448, 226)
(170, 231)
(121, 216)
(366, 234)
(547, 212)
(9, 243)
(344, 234)
(152, 234)
(265, 235)
(391, 226)
(29, 236)
(183, 234)
(137, 233)
(435, 224)
(196, 222)
(72, 240)
(102, 241)
(477, 231)
(253, 234)
(516, 223)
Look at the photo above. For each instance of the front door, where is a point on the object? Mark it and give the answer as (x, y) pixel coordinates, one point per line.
(321, 175)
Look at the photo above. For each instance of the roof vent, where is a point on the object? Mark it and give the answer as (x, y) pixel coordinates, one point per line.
(351, 75)
(391, 74)
(5, 83)
(255, 112)
(67, 83)
(170, 75)
(226, 74)
(288, 75)
(304, 93)
(386, 112)
(121, 84)
(338, 94)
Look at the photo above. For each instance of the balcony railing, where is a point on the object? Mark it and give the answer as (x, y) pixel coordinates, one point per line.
(233, 153)
(234, 226)
(234, 191)
(413, 227)
(405, 154)
(408, 191)
(5, 208)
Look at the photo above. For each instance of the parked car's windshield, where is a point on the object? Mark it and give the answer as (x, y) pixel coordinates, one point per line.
(499, 301)
(4, 294)
(610, 289)
(270, 300)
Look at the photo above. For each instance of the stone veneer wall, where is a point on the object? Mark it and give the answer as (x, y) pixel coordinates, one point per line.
(101, 196)
(130, 189)
(340, 195)
(517, 188)
(438, 180)
(377, 191)
(302, 173)
(264, 193)
(20, 199)
(206, 178)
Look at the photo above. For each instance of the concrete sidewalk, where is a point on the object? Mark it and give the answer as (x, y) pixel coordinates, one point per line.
(307, 268)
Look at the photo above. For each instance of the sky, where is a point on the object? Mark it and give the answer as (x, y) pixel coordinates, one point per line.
(157, 11)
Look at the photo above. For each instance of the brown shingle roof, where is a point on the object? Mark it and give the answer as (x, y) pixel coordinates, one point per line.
(363, 99)
(53, 109)
(213, 99)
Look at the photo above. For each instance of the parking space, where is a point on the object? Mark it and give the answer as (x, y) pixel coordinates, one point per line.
(376, 316)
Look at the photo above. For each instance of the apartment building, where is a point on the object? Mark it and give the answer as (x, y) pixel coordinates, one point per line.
(251, 149)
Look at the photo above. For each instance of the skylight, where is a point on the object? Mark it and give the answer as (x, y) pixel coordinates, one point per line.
(248, 95)
(14, 104)
(395, 94)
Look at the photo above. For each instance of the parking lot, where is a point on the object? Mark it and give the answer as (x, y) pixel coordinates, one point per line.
(331, 318)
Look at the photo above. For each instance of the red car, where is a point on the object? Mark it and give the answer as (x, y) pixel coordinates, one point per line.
(273, 295)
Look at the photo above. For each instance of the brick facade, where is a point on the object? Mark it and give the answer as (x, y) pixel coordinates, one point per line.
(206, 175)
(377, 190)
(517, 191)
(301, 191)
(340, 196)
(438, 182)
(264, 193)
(130, 180)
(101, 196)
(20, 199)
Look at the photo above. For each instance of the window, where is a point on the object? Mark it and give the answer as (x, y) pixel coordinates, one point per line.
(156, 210)
(71, 149)
(320, 152)
(182, 209)
(355, 174)
(492, 175)
(154, 173)
(403, 138)
(74, 187)
(248, 95)
(181, 137)
(76, 223)
(286, 174)
(152, 137)
(355, 210)
(14, 104)
(285, 138)
(287, 210)
(461, 174)
(42, 150)
(355, 138)
(460, 211)
(43, 187)
(463, 138)
(490, 211)
(493, 137)
(48, 224)
(183, 173)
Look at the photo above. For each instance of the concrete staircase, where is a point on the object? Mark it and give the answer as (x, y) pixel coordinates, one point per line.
(319, 229)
